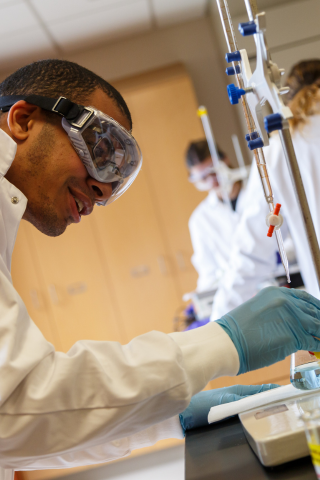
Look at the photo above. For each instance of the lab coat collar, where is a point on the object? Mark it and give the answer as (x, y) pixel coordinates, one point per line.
(213, 199)
(12, 201)
(8, 150)
(310, 129)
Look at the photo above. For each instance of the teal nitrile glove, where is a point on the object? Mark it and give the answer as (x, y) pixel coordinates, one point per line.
(272, 325)
(196, 415)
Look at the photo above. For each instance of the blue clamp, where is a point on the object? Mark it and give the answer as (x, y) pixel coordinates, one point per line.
(247, 28)
(257, 143)
(235, 93)
(252, 136)
(232, 71)
(233, 57)
(273, 122)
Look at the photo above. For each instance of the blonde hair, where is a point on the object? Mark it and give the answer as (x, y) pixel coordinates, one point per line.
(304, 95)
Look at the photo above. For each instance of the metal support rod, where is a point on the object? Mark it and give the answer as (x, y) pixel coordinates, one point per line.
(252, 9)
(294, 170)
(202, 112)
(238, 152)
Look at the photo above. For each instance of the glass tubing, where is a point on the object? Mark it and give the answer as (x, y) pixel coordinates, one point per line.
(258, 153)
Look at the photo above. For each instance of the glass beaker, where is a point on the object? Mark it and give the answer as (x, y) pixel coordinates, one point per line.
(305, 371)
(311, 421)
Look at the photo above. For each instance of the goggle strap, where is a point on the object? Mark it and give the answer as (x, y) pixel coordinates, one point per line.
(7, 101)
(62, 106)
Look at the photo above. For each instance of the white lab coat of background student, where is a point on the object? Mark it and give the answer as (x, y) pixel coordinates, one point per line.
(213, 223)
(212, 226)
(252, 252)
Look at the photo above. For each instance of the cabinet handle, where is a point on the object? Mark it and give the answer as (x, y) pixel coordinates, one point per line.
(35, 299)
(53, 294)
(180, 261)
(77, 288)
(162, 264)
(140, 271)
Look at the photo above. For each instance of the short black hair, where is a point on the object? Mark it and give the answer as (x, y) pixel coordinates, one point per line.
(198, 152)
(60, 78)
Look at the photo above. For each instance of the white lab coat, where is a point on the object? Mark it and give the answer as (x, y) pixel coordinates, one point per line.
(100, 400)
(252, 255)
(212, 226)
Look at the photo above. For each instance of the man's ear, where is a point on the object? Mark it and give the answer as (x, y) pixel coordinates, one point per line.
(21, 118)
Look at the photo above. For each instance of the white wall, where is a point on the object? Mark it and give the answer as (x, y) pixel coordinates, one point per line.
(293, 33)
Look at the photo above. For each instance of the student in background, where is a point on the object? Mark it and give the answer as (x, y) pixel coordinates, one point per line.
(213, 222)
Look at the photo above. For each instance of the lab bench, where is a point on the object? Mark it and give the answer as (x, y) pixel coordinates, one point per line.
(221, 452)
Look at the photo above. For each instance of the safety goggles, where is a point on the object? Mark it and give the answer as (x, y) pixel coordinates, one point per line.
(108, 151)
(228, 175)
(198, 177)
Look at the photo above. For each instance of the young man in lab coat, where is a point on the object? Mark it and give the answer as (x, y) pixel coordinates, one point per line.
(65, 145)
(213, 222)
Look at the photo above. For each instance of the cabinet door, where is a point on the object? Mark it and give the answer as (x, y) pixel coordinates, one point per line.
(28, 281)
(278, 373)
(78, 285)
(164, 109)
(132, 243)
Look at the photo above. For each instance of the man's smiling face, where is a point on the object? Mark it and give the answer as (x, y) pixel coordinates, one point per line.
(49, 172)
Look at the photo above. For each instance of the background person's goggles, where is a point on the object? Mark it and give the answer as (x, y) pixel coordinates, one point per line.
(227, 175)
(108, 151)
(196, 177)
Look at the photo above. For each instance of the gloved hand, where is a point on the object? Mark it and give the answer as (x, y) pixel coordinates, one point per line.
(272, 325)
(196, 415)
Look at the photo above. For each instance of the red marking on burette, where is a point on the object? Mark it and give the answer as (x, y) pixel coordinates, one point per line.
(276, 212)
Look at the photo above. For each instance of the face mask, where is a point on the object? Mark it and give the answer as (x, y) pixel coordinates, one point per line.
(204, 181)
(205, 185)
(202, 186)
(227, 176)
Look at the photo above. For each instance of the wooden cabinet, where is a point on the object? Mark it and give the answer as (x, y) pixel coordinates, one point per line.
(27, 277)
(164, 106)
(131, 243)
(278, 373)
(77, 284)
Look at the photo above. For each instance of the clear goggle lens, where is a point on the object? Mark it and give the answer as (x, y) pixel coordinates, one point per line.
(196, 177)
(108, 151)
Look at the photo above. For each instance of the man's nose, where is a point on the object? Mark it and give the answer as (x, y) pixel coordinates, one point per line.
(101, 192)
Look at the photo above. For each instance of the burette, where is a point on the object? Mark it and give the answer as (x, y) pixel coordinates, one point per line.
(265, 112)
(255, 144)
(203, 114)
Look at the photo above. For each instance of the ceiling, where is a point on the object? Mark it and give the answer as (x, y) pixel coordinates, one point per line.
(34, 29)
(237, 7)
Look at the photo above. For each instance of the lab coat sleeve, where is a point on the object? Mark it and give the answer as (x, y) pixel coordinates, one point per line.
(54, 403)
(253, 254)
(107, 452)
